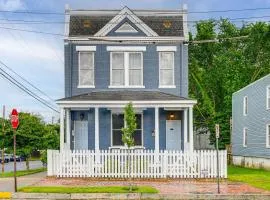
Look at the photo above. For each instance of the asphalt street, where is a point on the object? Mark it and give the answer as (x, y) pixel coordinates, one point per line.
(21, 166)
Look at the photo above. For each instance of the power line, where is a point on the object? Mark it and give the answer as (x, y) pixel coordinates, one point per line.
(32, 31)
(26, 81)
(25, 89)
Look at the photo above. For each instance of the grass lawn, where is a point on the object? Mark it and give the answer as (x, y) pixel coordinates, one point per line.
(256, 177)
(101, 189)
(22, 173)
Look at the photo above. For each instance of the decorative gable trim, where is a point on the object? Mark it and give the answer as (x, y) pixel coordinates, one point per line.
(126, 28)
(125, 13)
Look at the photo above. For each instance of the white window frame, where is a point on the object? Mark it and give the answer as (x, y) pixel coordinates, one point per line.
(124, 147)
(173, 69)
(267, 135)
(245, 106)
(245, 131)
(89, 49)
(126, 70)
(267, 97)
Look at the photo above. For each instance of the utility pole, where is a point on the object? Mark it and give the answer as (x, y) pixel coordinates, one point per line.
(3, 147)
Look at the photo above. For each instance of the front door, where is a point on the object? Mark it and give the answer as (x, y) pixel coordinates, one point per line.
(173, 134)
(81, 135)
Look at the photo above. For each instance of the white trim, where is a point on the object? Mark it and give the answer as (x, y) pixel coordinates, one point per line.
(166, 86)
(96, 129)
(185, 21)
(62, 128)
(79, 72)
(124, 86)
(245, 106)
(245, 136)
(131, 30)
(68, 128)
(126, 48)
(166, 48)
(267, 136)
(191, 133)
(157, 129)
(159, 60)
(124, 147)
(252, 84)
(67, 19)
(267, 97)
(86, 48)
(126, 13)
(185, 128)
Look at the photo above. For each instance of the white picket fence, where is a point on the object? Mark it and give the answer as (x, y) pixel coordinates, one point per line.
(143, 164)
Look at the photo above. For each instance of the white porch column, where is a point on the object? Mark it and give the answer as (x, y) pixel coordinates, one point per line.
(191, 148)
(62, 128)
(68, 132)
(96, 129)
(157, 129)
(185, 129)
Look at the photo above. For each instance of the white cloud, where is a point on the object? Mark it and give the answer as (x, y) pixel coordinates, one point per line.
(11, 5)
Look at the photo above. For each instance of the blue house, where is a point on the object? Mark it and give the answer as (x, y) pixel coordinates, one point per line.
(113, 57)
(251, 125)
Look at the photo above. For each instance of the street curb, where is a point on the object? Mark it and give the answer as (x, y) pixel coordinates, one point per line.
(138, 196)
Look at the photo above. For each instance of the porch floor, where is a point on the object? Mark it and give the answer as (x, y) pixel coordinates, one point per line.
(165, 186)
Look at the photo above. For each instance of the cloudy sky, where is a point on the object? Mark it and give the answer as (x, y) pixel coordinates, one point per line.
(39, 58)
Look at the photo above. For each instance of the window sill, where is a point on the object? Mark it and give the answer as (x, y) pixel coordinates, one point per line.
(167, 86)
(86, 86)
(119, 86)
(245, 146)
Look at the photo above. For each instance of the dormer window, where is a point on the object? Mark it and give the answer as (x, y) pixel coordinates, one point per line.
(126, 67)
(86, 63)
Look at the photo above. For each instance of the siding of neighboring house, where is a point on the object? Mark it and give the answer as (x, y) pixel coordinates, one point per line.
(150, 70)
(105, 127)
(255, 121)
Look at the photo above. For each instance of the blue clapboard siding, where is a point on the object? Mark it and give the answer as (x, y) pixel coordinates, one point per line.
(150, 67)
(255, 121)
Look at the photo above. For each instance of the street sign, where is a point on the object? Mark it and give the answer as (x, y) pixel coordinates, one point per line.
(14, 119)
(217, 131)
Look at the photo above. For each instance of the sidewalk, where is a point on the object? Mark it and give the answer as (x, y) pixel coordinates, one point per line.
(7, 184)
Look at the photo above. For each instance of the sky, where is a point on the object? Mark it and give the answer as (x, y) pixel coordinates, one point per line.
(39, 58)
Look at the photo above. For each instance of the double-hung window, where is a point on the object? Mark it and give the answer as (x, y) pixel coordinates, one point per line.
(126, 66)
(86, 66)
(268, 136)
(166, 66)
(245, 106)
(268, 97)
(118, 123)
(245, 137)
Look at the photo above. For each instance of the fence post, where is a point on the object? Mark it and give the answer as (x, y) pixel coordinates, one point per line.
(49, 163)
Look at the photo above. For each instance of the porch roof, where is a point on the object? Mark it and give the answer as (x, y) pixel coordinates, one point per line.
(125, 96)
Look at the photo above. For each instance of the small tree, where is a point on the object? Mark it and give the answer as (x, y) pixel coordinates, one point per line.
(127, 133)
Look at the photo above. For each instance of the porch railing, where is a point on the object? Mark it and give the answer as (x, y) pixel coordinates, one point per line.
(143, 164)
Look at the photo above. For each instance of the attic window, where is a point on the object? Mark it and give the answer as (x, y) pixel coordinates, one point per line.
(86, 23)
(126, 28)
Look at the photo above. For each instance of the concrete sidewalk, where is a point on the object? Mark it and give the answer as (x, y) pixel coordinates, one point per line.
(7, 184)
(139, 196)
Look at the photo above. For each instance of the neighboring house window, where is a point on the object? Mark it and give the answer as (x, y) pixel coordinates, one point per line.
(127, 69)
(268, 97)
(118, 124)
(245, 106)
(268, 135)
(166, 69)
(245, 137)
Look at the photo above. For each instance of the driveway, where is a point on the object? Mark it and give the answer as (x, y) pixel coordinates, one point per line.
(22, 165)
(7, 184)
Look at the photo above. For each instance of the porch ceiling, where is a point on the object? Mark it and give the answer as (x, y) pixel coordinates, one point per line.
(120, 98)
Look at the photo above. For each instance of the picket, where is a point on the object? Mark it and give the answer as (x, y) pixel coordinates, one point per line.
(144, 163)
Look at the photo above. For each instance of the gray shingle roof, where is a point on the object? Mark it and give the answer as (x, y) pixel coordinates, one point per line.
(124, 95)
(85, 25)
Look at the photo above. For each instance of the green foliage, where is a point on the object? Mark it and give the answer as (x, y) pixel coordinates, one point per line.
(217, 70)
(22, 172)
(129, 129)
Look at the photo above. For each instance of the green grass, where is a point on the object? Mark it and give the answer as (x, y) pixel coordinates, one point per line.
(101, 189)
(22, 173)
(256, 177)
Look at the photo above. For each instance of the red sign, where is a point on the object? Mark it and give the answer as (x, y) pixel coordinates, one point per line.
(14, 119)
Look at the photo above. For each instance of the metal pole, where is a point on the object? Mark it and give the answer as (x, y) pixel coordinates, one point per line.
(3, 147)
(217, 166)
(14, 155)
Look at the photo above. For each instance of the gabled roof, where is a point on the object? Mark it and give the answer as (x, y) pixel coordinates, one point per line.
(170, 23)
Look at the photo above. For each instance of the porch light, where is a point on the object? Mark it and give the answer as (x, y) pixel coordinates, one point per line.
(171, 116)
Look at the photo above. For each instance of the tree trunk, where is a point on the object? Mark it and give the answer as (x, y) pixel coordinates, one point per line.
(27, 164)
(129, 171)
